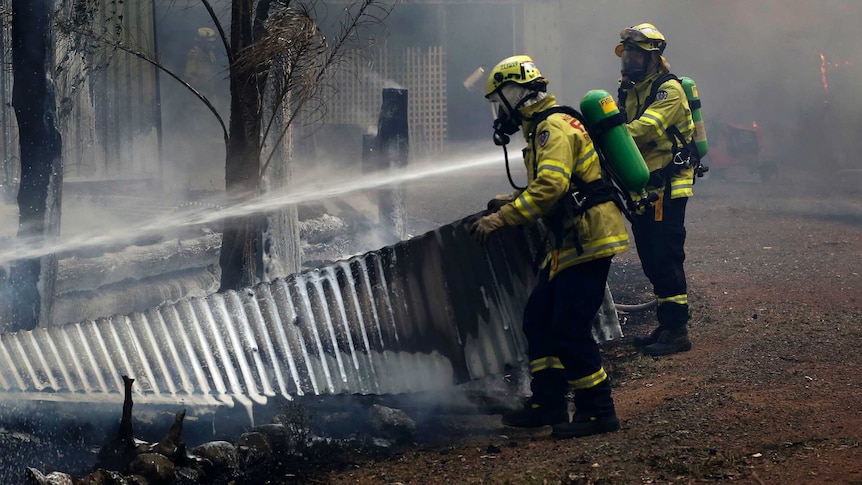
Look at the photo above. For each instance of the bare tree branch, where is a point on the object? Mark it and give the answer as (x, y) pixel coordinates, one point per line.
(105, 40)
(292, 33)
(224, 39)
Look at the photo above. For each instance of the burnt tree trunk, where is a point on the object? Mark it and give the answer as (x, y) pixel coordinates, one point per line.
(281, 252)
(40, 191)
(242, 235)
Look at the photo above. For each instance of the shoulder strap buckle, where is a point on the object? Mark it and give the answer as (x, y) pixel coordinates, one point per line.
(682, 158)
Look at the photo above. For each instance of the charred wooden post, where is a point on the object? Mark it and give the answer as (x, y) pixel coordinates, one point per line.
(393, 143)
(124, 454)
(40, 191)
(118, 452)
(172, 445)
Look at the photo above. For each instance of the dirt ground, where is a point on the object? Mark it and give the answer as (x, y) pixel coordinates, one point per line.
(769, 393)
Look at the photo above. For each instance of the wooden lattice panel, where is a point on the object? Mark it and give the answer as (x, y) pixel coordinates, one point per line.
(420, 70)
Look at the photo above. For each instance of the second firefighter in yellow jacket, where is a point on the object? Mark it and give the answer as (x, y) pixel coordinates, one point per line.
(587, 230)
(659, 119)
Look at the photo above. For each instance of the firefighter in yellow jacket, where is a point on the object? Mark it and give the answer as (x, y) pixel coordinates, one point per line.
(201, 69)
(587, 229)
(659, 119)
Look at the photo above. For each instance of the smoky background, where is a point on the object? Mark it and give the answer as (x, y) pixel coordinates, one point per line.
(791, 66)
(788, 66)
(193, 148)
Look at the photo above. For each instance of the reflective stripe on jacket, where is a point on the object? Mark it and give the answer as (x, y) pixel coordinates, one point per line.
(650, 129)
(563, 149)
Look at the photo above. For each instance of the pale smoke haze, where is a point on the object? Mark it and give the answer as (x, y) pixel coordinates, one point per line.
(112, 234)
(752, 61)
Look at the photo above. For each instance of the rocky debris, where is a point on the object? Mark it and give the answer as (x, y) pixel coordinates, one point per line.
(221, 455)
(107, 477)
(321, 229)
(293, 445)
(155, 468)
(391, 423)
(36, 477)
(120, 450)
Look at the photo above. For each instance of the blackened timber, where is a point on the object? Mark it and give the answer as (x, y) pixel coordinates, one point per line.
(393, 143)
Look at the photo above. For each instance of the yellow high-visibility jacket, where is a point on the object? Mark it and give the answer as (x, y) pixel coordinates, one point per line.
(650, 129)
(557, 149)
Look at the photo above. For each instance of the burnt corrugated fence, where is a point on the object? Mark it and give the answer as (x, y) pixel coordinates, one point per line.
(423, 314)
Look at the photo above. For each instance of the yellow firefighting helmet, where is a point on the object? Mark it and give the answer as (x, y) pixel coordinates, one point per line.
(516, 69)
(206, 34)
(644, 36)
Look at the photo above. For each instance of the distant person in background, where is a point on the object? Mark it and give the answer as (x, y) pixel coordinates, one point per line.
(654, 114)
(201, 63)
(583, 238)
(203, 145)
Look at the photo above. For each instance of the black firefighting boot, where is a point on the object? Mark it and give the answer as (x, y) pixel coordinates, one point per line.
(546, 406)
(642, 341)
(670, 341)
(594, 413)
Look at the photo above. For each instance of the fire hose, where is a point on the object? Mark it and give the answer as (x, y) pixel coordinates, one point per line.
(635, 308)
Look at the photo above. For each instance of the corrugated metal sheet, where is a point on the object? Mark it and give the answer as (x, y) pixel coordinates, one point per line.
(421, 315)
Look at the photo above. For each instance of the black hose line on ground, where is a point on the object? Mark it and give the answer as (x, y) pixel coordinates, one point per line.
(640, 307)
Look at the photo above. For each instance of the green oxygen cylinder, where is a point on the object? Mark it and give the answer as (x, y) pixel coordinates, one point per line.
(694, 103)
(601, 112)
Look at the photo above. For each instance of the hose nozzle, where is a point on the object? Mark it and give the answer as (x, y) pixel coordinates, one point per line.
(501, 139)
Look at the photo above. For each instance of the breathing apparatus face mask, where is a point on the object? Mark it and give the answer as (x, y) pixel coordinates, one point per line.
(635, 62)
(504, 109)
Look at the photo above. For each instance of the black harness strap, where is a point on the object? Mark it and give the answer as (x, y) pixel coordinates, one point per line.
(606, 125)
(685, 154)
(623, 94)
(583, 195)
(656, 87)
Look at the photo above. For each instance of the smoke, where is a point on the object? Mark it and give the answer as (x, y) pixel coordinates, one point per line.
(193, 147)
(792, 68)
(752, 61)
(375, 79)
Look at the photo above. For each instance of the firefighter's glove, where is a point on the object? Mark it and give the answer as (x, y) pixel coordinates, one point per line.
(482, 229)
(499, 201)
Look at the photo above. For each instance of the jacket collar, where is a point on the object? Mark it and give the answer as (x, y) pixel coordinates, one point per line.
(529, 112)
(643, 85)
